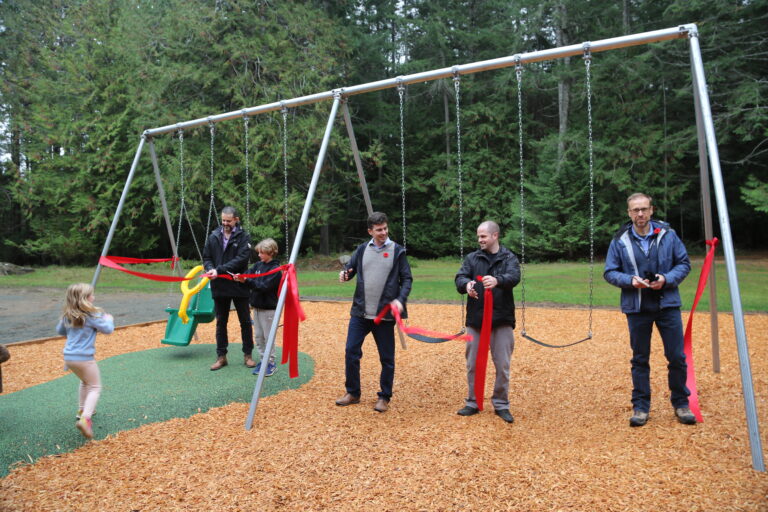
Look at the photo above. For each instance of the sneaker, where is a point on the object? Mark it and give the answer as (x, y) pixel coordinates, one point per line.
(467, 411)
(85, 426)
(80, 414)
(685, 416)
(271, 368)
(638, 419)
(257, 368)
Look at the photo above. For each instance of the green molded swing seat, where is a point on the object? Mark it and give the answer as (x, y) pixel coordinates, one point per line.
(201, 311)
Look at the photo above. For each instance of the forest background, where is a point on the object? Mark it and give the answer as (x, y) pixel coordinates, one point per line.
(82, 79)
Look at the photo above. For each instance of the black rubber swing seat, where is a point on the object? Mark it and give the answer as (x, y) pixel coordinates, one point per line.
(431, 339)
(529, 338)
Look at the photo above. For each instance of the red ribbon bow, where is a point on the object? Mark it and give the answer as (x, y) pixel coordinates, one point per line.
(292, 316)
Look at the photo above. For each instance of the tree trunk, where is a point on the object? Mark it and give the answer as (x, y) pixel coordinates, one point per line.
(324, 243)
(625, 17)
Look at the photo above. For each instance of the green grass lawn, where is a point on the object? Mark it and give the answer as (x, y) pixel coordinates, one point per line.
(551, 283)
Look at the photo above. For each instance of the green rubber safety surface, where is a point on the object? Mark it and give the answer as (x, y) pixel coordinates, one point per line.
(137, 388)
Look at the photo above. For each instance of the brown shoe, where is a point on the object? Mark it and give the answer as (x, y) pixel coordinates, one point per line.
(250, 363)
(220, 363)
(348, 399)
(381, 405)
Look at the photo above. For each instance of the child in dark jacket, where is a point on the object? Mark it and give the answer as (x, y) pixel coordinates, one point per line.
(263, 299)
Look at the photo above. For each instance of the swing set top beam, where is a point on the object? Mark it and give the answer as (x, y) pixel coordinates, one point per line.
(678, 32)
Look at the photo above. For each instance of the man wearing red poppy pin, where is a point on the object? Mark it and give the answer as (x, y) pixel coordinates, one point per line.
(383, 278)
(648, 261)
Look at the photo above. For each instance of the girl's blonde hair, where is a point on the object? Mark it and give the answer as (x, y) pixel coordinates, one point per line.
(77, 306)
(267, 246)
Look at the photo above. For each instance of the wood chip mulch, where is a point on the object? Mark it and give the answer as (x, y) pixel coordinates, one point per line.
(569, 449)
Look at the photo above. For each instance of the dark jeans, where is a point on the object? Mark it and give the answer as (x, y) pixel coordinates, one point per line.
(384, 335)
(222, 305)
(670, 325)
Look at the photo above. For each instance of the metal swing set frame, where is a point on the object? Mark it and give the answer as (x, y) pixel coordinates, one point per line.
(709, 163)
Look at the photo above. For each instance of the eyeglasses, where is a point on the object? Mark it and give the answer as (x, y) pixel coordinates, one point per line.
(636, 211)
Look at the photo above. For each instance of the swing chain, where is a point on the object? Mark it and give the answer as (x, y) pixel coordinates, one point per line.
(246, 120)
(181, 187)
(183, 209)
(459, 169)
(284, 112)
(211, 205)
(519, 76)
(401, 93)
(587, 64)
(457, 89)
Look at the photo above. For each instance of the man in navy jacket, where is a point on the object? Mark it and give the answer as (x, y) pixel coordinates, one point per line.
(226, 252)
(383, 277)
(648, 261)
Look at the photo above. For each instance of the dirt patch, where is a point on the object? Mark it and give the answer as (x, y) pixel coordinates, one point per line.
(570, 447)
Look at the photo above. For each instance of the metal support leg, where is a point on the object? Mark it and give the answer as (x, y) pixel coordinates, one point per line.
(294, 256)
(356, 153)
(706, 206)
(164, 205)
(119, 210)
(700, 89)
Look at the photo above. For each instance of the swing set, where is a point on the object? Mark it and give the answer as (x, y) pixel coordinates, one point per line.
(708, 161)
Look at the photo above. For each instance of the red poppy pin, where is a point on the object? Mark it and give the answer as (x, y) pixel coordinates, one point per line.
(386, 255)
(657, 231)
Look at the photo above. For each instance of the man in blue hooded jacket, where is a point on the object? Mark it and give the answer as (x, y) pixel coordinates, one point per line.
(648, 262)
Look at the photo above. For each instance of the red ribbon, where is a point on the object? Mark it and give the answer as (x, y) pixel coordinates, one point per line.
(693, 400)
(481, 361)
(416, 330)
(292, 316)
(114, 262)
(125, 259)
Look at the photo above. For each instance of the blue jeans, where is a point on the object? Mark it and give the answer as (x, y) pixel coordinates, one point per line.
(384, 336)
(670, 325)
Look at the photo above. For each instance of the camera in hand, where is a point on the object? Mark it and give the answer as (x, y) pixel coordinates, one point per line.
(651, 277)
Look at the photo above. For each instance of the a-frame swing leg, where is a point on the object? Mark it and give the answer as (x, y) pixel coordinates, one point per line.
(124, 195)
(747, 389)
(164, 204)
(119, 210)
(294, 255)
(356, 154)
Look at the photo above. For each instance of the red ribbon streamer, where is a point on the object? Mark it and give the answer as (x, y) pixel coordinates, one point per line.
(481, 361)
(693, 400)
(293, 311)
(125, 259)
(292, 316)
(114, 262)
(416, 330)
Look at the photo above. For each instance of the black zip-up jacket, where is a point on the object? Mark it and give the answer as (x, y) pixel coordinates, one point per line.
(264, 289)
(234, 260)
(398, 284)
(506, 269)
